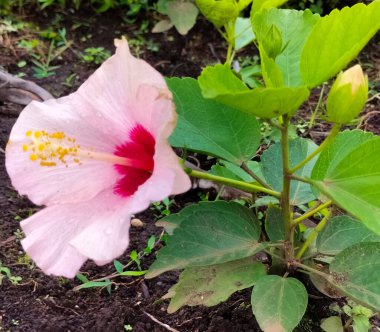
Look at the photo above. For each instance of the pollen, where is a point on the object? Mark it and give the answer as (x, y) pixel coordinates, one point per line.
(41, 147)
(51, 149)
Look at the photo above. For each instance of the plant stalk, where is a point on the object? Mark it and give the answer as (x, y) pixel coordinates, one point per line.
(313, 234)
(329, 139)
(232, 183)
(311, 213)
(285, 194)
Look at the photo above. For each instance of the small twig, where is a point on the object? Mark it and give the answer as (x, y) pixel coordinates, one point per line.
(19, 91)
(166, 326)
(376, 96)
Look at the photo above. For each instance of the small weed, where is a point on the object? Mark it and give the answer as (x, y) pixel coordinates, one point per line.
(70, 79)
(96, 55)
(27, 261)
(163, 208)
(19, 234)
(5, 272)
(121, 270)
(204, 197)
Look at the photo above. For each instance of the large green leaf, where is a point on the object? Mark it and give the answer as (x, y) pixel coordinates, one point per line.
(271, 162)
(295, 26)
(243, 32)
(336, 40)
(183, 15)
(229, 170)
(332, 324)
(218, 12)
(342, 232)
(209, 233)
(258, 5)
(207, 126)
(210, 285)
(278, 303)
(344, 143)
(355, 271)
(274, 224)
(354, 183)
(221, 84)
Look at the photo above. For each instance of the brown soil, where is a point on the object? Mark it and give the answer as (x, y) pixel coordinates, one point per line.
(42, 303)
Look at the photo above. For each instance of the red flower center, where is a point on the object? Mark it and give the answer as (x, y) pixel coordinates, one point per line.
(140, 150)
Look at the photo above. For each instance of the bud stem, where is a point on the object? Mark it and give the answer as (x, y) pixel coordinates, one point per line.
(329, 139)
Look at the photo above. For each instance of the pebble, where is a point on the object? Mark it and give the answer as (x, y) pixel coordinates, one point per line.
(135, 222)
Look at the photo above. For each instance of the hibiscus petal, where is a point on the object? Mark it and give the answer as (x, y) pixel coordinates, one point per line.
(111, 91)
(76, 180)
(60, 238)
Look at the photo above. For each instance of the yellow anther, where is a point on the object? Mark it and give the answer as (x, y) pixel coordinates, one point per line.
(33, 157)
(48, 163)
(41, 147)
(25, 148)
(57, 135)
(28, 133)
(37, 134)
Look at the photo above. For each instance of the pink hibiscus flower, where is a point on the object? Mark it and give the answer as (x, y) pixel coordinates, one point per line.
(93, 159)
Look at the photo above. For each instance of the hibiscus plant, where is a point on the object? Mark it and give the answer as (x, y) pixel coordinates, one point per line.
(102, 154)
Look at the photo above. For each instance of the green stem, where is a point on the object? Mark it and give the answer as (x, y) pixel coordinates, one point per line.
(329, 139)
(313, 234)
(285, 194)
(252, 174)
(300, 178)
(311, 213)
(231, 183)
(320, 100)
(310, 269)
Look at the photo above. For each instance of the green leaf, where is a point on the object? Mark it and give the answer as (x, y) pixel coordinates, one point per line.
(207, 126)
(274, 224)
(278, 303)
(321, 283)
(213, 284)
(221, 84)
(295, 26)
(132, 273)
(82, 278)
(170, 222)
(354, 182)
(361, 323)
(92, 284)
(183, 15)
(344, 144)
(218, 12)
(336, 40)
(118, 266)
(209, 233)
(162, 6)
(162, 26)
(232, 171)
(342, 232)
(243, 33)
(332, 324)
(355, 271)
(258, 5)
(223, 171)
(271, 162)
